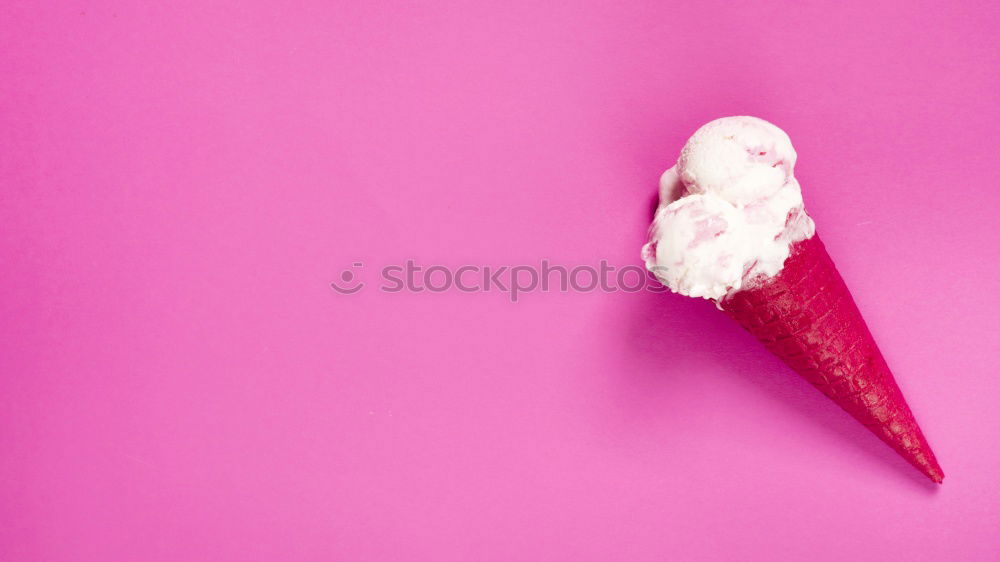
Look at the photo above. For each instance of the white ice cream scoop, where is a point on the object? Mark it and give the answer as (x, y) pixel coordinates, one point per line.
(729, 210)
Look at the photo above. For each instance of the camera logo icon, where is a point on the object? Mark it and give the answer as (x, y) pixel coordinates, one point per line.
(348, 284)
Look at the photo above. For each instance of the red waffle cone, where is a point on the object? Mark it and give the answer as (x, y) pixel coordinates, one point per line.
(805, 315)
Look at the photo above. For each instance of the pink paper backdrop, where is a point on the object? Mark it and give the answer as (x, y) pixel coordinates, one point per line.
(181, 182)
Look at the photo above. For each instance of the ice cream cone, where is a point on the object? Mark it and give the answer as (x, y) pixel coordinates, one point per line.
(806, 316)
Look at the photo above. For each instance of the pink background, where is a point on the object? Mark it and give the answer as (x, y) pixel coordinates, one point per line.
(180, 184)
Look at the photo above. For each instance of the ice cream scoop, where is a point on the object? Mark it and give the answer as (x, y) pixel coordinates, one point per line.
(736, 171)
(740, 159)
(731, 227)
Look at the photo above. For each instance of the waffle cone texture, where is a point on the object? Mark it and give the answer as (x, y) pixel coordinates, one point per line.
(806, 316)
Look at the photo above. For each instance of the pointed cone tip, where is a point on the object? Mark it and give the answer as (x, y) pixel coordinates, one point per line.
(936, 475)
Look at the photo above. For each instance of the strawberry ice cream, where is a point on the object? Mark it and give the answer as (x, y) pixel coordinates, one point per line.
(731, 227)
(729, 210)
